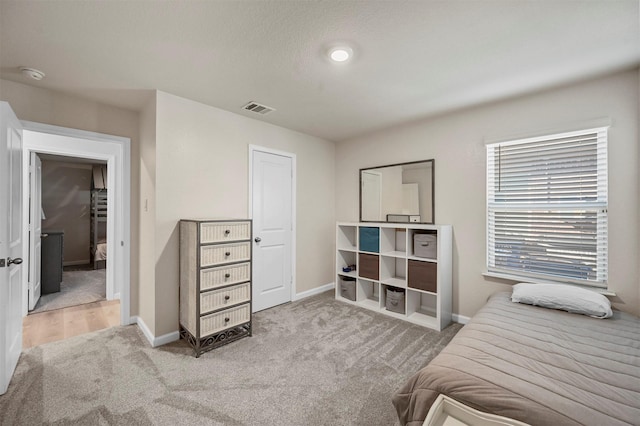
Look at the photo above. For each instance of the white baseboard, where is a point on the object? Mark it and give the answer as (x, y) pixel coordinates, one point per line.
(143, 327)
(166, 338)
(460, 318)
(313, 291)
(155, 341)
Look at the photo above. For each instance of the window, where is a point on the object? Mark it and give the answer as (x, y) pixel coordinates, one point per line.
(547, 207)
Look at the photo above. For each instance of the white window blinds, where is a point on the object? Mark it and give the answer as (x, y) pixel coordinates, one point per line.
(547, 207)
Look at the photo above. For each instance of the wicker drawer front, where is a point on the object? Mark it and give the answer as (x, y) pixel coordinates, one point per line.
(221, 232)
(222, 320)
(228, 296)
(224, 253)
(225, 275)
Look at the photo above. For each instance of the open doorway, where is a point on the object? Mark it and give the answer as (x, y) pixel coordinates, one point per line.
(70, 216)
(79, 150)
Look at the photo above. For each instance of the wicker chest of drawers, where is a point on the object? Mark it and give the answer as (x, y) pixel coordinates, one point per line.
(215, 282)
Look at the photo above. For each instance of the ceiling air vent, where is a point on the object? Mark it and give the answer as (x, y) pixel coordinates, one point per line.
(258, 108)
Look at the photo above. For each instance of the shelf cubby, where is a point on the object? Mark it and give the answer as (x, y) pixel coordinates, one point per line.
(393, 271)
(343, 259)
(411, 248)
(346, 288)
(383, 302)
(346, 238)
(369, 239)
(422, 307)
(393, 242)
(385, 257)
(368, 293)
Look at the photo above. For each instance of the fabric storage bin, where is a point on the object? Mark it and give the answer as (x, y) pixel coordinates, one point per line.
(348, 288)
(369, 266)
(425, 245)
(369, 239)
(423, 275)
(395, 300)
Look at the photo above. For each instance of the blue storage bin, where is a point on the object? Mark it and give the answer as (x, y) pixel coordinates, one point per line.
(370, 239)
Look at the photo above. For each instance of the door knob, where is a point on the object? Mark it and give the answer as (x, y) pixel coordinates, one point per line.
(257, 239)
(15, 261)
(44, 235)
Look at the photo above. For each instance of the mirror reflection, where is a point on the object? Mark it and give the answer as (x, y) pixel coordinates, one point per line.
(397, 193)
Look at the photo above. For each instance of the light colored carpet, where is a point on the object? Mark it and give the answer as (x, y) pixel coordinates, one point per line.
(77, 288)
(312, 362)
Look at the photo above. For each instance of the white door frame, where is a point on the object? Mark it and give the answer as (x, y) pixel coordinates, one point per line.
(116, 151)
(379, 175)
(256, 148)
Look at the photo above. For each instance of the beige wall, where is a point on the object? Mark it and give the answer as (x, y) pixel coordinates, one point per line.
(202, 171)
(456, 142)
(49, 107)
(147, 272)
(66, 201)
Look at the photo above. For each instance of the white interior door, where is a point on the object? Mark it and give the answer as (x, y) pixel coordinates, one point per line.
(272, 193)
(35, 229)
(371, 196)
(10, 244)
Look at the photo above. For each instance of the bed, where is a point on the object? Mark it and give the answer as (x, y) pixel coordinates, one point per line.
(98, 239)
(536, 365)
(101, 251)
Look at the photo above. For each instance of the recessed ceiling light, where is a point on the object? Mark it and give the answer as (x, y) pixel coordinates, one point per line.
(340, 54)
(32, 73)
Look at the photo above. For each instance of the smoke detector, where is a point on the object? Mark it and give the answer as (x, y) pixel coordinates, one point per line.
(32, 73)
(258, 108)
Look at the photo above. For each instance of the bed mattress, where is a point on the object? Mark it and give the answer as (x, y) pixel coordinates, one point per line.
(536, 365)
(101, 250)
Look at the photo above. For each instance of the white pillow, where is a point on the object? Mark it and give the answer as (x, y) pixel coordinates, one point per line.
(564, 297)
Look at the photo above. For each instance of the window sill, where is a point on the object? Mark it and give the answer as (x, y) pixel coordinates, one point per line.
(522, 279)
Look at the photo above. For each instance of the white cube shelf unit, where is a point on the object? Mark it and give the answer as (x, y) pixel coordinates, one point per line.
(385, 259)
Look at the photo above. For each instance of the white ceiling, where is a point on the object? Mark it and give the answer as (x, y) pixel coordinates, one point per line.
(412, 59)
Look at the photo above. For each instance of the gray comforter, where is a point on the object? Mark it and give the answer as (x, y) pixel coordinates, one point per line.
(536, 365)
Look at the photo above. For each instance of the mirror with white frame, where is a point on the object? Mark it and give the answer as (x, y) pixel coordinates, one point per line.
(398, 193)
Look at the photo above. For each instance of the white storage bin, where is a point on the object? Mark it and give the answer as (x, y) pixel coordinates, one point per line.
(395, 300)
(425, 245)
(348, 288)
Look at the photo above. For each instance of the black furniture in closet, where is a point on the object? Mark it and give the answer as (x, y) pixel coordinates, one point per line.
(51, 261)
